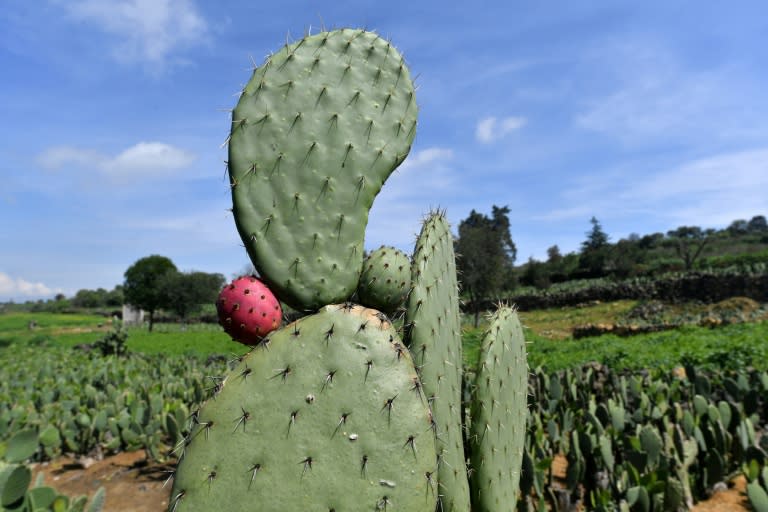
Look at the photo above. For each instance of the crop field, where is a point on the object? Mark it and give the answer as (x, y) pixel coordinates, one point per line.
(632, 406)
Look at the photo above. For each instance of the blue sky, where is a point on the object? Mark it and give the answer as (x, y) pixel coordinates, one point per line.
(647, 115)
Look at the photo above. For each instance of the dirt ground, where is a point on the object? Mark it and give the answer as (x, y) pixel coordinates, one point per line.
(133, 485)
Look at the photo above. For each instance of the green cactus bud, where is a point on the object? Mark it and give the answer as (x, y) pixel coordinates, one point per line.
(317, 130)
(386, 279)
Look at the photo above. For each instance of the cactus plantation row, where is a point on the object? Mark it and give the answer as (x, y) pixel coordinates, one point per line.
(338, 411)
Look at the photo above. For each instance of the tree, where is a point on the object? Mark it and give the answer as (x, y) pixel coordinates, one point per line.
(485, 255)
(594, 250)
(143, 285)
(188, 291)
(757, 224)
(688, 242)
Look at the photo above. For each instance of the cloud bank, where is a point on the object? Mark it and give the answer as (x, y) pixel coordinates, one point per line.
(18, 288)
(142, 159)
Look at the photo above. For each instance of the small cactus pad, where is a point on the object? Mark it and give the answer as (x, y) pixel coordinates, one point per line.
(386, 279)
(317, 130)
(327, 414)
(248, 310)
(499, 413)
(433, 326)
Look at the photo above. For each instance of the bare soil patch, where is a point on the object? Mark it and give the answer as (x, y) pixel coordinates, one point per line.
(132, 484)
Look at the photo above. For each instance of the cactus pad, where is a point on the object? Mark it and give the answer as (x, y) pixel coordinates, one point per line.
(386, 279)
(433, 326)
(317, 130)
(499, 414)
(327, 414)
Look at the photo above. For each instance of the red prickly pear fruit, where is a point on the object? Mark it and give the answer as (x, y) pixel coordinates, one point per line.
(248, 310)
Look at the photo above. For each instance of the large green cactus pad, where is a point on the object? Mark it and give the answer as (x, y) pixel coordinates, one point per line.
(433, 325)
(499, 413)
(328, 415)
(316, 132)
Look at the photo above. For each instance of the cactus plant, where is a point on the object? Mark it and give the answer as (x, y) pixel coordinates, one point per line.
(332, 412)
(318, 128)
(433, 327)
(327, 414)
(499, 413)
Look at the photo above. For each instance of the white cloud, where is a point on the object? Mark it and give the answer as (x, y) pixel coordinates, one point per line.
(491, 129)
(710, 191)
(147, 30)
(409, 194)
(142, 159)
(13, 288)
(654, 95)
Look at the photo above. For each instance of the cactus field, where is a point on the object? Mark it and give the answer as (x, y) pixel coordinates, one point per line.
(373, 396)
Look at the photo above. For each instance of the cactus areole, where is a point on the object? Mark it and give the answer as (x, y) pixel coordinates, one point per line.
(248, 310)
(317, 130)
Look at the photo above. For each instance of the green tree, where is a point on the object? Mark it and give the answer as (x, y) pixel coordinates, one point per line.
(143, 285)
(188, 291)
(485, 255)
(689, 242)
(594, 250)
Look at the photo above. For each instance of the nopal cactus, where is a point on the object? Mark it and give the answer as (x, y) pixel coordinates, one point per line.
(318, 128)
(327, 414)
(333, 413)
(499, 413)
(433, 327)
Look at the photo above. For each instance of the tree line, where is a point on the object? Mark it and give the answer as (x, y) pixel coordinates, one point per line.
(486, 254)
